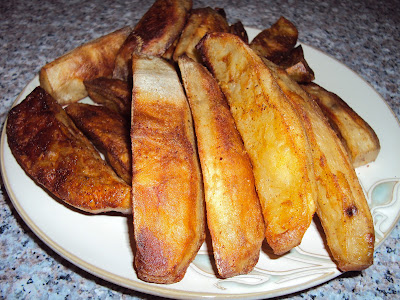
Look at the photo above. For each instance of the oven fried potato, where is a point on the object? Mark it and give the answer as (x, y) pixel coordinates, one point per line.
(52, 151)
(341, 205)
(234, 215)
(201, 21)
(112, 93)
(108, 131)
(63, 78)
(167, 188)
(276, 42)
(273, 135)
(297, 67)
(154, 34)
(359, 138)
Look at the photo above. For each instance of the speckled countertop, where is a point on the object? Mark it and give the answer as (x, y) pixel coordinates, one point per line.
(364, 35)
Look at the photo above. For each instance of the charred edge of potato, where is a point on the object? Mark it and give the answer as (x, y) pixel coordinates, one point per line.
(297, 67)
(112, 93)
(154, 34)
(277, 41)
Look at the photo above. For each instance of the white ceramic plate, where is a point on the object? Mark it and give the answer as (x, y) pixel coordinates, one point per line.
(102, 245)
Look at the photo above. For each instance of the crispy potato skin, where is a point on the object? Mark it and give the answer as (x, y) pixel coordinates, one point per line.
(108, 131)
(51, 150)
(63, 78)
(359, 138)
(276, 42)
(200, 22)
(341, 205)
(273, 135)
(168, 199)
(112, 93)
(234, 214)
(154, 34)
(297, 67)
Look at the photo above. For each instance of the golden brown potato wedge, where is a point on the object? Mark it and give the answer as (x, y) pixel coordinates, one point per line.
(108, 131)
(277, 41)
(154, 34)
(112, 93)
(201, 21)
(297, 67)
(358, 137)
(63, 78)
(341, 205)
(167, 188)
(52, 151)
(273, 135)
(234, 214)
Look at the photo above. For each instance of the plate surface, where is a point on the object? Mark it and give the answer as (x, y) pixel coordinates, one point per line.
(102, 244)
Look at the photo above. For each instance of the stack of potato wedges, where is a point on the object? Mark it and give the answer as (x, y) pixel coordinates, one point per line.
(200, 128)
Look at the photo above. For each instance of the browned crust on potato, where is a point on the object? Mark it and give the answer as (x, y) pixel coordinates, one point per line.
(168, 198)
(108, 131)
(154, 34)
(112, 93)
(276, 42)
(52, 151)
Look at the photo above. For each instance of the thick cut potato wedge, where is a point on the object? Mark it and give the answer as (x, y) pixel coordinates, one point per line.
(63, 78)
(154, 34)
(359, 138)
(297, 67)
(273, 135)
(108, 131)
(341, 206)
(234, 214)
(112, 93)
(200, 22)
(167, 188)
(52, 151)
(276, 42)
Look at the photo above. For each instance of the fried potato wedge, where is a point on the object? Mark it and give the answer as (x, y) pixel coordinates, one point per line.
(359, 138)
(297, 67)
(154, 34)
(200, 22)
(341, 205)
(167, 188)
(234, 214)
(55, 154)
(112, 93)
(63, 78)
(276, 42)
(273, 136)
(109, 132)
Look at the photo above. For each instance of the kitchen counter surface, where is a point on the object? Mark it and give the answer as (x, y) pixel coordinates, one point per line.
(364, 35)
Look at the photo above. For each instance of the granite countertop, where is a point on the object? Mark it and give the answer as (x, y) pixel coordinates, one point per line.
(364, 35)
